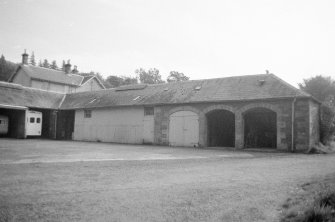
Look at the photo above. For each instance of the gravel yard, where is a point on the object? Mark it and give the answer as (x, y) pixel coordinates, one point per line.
(45, 180)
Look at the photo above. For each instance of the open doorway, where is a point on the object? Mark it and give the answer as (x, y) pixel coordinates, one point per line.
(260, 128)
(221, 128)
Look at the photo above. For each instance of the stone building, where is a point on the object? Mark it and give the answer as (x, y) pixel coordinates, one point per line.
(260, 111)
(54, 80)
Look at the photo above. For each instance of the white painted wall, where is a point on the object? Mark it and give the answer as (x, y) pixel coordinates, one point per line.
(119, 125)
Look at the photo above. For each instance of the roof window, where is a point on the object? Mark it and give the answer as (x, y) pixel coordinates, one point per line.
(197, 88)
(136, 98)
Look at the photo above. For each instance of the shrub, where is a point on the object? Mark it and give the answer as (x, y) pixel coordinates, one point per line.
(327, 126)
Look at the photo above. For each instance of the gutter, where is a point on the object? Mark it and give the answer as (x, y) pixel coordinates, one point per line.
(13, 107)
(292, 126)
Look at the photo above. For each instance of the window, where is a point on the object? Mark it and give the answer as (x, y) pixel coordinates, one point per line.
(38, 120)
(148, 111)
(32, 120)
(87, 113)
(1, 122)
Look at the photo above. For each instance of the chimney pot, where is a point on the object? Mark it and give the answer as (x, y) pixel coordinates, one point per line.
(25, 58)
(67, 67)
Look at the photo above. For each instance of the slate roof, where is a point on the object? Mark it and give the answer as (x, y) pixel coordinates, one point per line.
(52, 75)
(17, 95)
(238, 88)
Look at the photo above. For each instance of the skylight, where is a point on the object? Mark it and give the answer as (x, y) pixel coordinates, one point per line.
(136, 98)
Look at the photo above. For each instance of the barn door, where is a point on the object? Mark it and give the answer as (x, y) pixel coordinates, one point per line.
(148, 129)
(184, 129)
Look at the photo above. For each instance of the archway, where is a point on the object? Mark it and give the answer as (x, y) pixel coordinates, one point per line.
(221, 128)
(260, 128)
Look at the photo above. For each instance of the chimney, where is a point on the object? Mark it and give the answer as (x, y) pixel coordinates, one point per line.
(67, 67)
(75, 70)
(25, 58)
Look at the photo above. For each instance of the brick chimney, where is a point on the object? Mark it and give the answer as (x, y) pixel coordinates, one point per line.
(25, 58)
(67, 67)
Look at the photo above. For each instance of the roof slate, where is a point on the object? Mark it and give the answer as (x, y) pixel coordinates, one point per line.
(52, 75)
(227, 89)
(17, 95)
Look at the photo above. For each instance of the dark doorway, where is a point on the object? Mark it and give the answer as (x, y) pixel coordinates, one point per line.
(48, 123)
(260, 128)
(65, 124)
(221, 128)
(16, 123)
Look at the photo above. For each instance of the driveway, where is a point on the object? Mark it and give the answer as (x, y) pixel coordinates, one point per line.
(43, 180)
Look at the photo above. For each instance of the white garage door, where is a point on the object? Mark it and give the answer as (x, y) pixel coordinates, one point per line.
(184, 129)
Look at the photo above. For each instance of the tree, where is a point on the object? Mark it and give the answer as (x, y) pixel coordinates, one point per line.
(127, 80)
(32, 59)
(7, 68)
(151, 76)
(116, 81)
(63, 65)
(40, 64)
(54, 65)
(319, 86)
(45, 64)
(323, 88)
(177, 77)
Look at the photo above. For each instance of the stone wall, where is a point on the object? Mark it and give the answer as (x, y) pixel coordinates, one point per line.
(282, 108)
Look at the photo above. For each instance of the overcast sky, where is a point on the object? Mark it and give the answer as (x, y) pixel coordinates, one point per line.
(294, 39)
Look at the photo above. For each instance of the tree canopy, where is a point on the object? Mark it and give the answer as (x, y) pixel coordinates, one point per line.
(320, 87)
(7, 68)
(116, 81)
(151, 76)
(177, 77)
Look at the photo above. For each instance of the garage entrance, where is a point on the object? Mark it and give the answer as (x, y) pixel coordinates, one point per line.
(260, 128)
(221, 128)
(16, 122)
(184, 129)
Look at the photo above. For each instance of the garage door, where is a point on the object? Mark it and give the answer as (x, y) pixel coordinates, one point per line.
(184, 129)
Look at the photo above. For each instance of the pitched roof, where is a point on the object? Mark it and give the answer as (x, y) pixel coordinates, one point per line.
(52, 75)
(238, 88)
(17, 95)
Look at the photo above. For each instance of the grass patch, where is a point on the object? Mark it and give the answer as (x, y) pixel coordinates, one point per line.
(315, 203)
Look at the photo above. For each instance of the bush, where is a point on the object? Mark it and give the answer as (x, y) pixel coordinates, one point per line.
(327, 126)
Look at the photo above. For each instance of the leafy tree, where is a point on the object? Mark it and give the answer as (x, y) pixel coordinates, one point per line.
(129, 80)
(45, 64)
(319, 86)
(7, 68)
(323, 88)
(54, 65)
(32, 59)
(116, 81)
(177, 77)
(151, 76)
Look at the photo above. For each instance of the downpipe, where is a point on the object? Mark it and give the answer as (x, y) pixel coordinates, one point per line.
(292, 126)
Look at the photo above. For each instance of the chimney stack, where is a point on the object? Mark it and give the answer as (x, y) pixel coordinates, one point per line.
(67, 67)
(25, 58)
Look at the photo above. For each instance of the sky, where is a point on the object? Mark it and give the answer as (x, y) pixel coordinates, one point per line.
(293, 39)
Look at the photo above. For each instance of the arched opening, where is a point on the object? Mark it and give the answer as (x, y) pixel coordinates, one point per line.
(260, 128)
(221, 128)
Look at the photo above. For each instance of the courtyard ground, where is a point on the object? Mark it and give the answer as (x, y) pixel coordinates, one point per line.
(45, 180)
